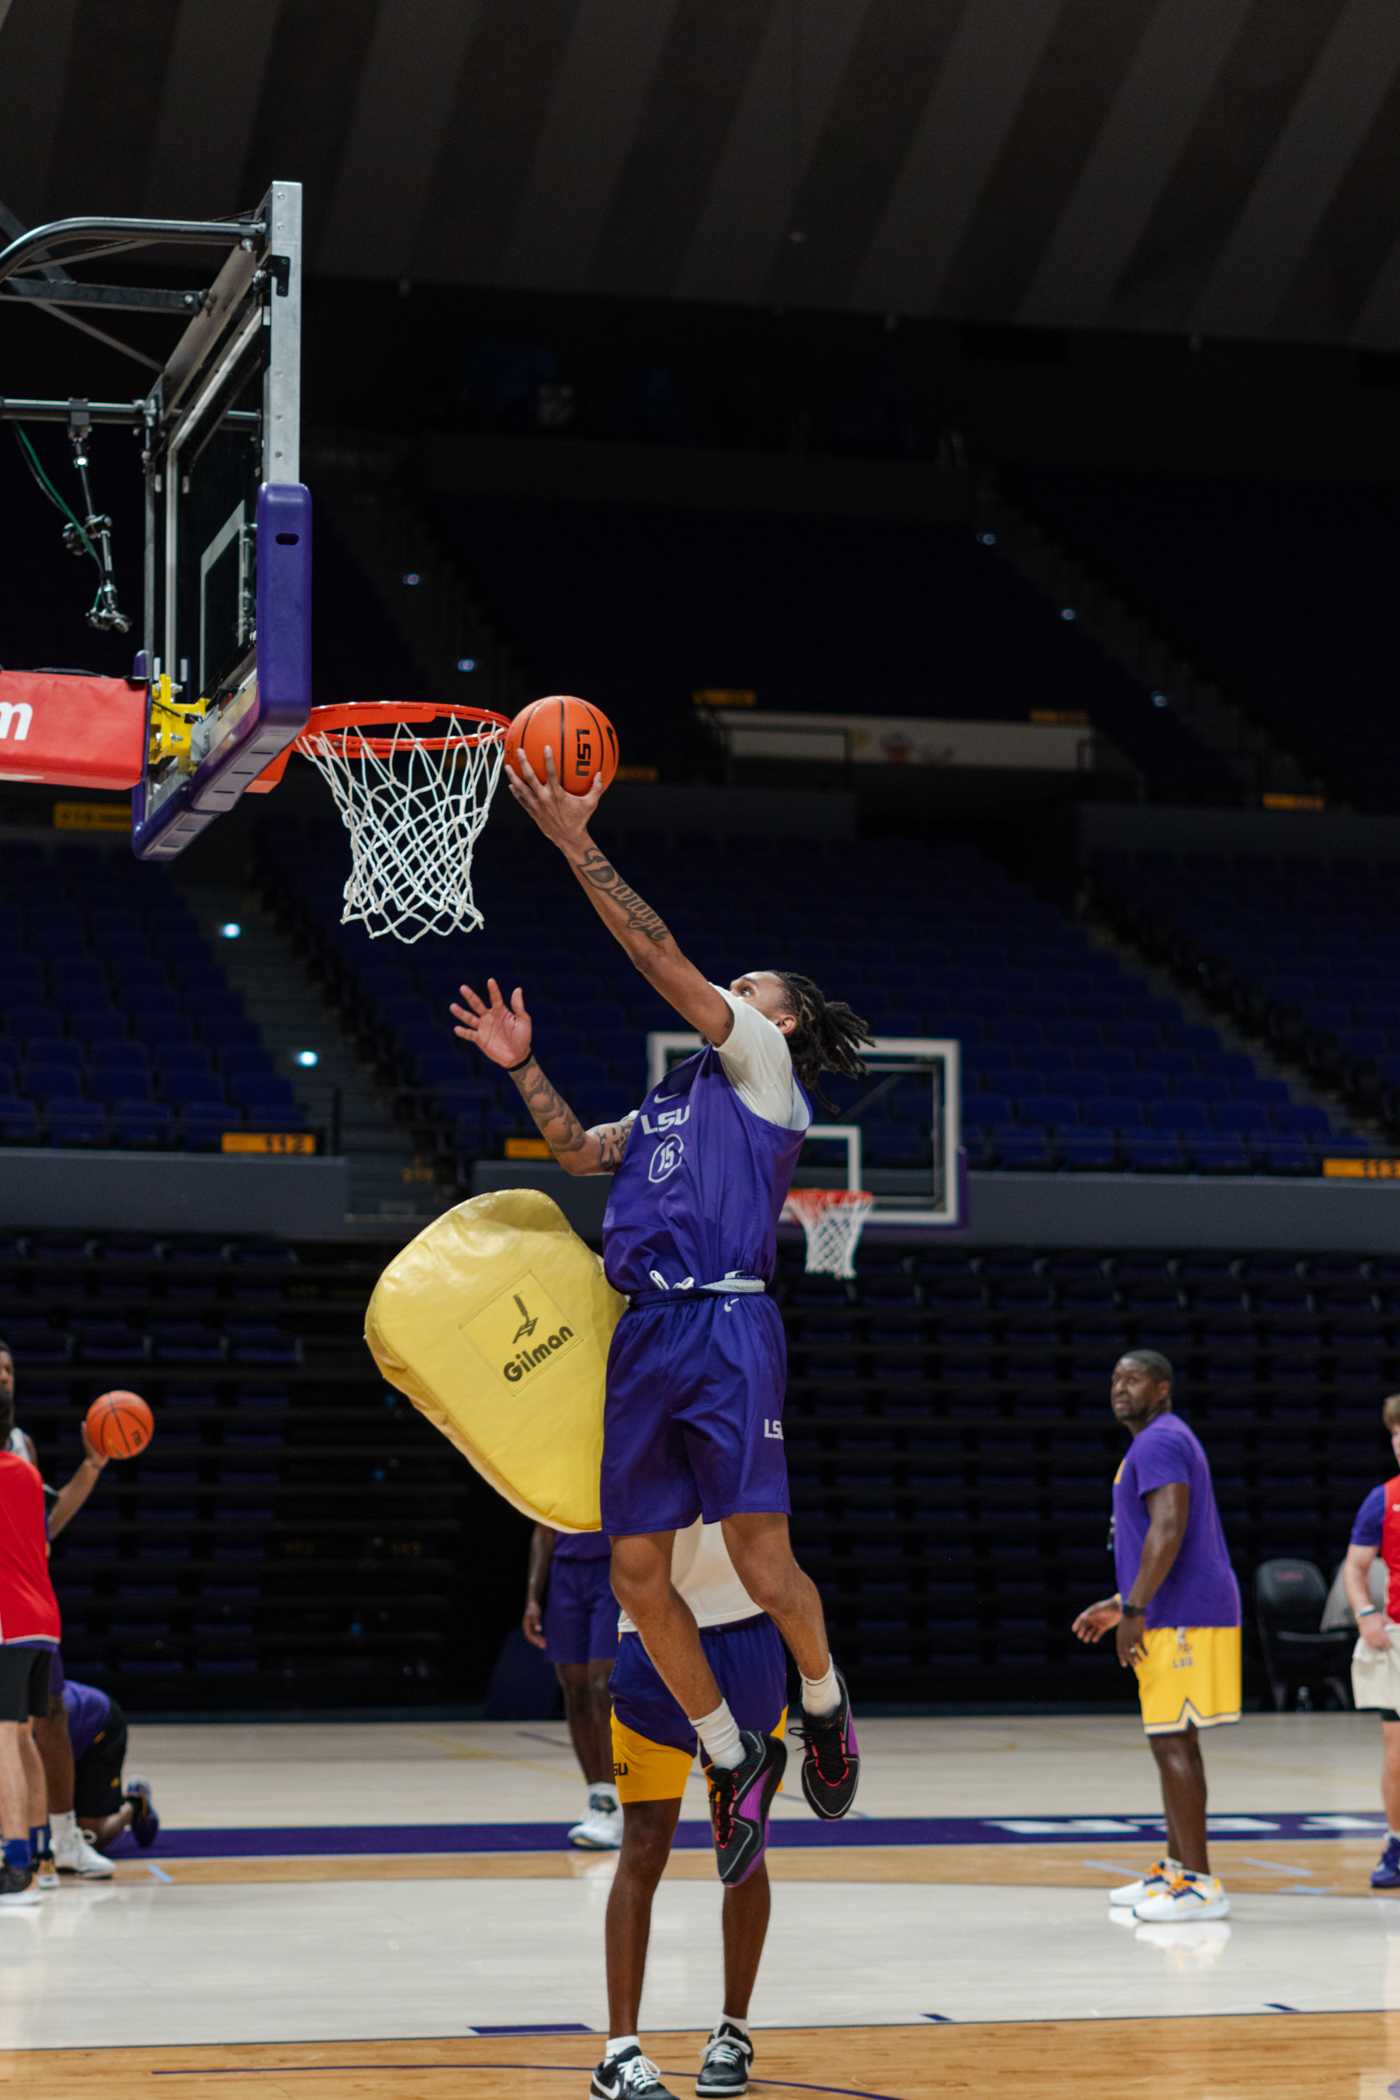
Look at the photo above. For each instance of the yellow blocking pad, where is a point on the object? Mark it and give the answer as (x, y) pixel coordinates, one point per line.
(496, 1322)
(1189, 1676)
(648, 1771)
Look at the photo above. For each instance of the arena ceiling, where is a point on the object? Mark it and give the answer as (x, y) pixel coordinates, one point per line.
(1221, 167)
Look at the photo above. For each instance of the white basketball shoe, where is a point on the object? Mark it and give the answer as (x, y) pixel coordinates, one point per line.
(1159, 1876)
(1190, 1898)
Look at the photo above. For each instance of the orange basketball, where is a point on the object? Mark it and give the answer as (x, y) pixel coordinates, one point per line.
(580, 735)
(120, 1424)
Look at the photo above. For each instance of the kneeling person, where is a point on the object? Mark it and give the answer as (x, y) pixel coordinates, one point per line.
(105, 1804)
(654, 1750)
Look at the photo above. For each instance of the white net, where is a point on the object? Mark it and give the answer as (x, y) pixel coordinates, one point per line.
(831, 1221)
(412, 807)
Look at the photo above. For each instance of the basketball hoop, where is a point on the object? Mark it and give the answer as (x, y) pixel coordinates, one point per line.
(412, 805)
(831, 1221)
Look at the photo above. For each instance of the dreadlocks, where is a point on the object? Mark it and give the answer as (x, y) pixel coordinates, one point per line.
(827, 1037)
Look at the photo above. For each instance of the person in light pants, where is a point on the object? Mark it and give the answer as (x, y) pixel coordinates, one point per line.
(1375, 1665)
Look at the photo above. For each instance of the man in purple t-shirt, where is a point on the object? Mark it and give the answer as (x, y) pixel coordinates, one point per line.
(1176, 1612)
(697, 1370)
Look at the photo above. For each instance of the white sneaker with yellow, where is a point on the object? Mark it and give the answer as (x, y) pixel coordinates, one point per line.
(1187, 1898)
(1159, 1876)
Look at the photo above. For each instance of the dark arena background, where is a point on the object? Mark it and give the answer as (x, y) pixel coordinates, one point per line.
(955, 443)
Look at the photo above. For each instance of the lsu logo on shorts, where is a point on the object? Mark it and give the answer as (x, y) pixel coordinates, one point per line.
(1190, 1677)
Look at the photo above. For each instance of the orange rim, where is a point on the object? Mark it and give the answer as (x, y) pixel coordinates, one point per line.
(824, 1199)
(352, 716)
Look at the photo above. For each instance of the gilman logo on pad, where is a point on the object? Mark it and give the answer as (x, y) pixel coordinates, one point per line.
(521, 1331)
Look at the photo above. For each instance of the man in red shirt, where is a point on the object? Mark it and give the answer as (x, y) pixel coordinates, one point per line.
(30, 1630)
(1375, 1668)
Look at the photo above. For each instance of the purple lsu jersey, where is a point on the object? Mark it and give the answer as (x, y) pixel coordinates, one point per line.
(700, 1186)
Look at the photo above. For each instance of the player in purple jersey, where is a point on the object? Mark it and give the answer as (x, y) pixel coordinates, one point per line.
(571, 1612)
(1175, 1617)
(697, 1370)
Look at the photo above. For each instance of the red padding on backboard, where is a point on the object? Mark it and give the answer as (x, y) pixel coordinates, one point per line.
(66, 730)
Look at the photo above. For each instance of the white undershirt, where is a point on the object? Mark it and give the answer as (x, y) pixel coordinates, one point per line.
(704, 1575)
(758, 1065)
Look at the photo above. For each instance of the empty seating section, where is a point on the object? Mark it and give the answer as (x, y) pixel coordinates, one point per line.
(297, 1534)
(292, 1534)
(639, 608)
(1280, 594)
(118, 1026)
(1318, 939)
(1070, 1059)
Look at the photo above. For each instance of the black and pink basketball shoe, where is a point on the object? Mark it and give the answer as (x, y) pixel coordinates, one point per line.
(831, 1761)
(740, 1800)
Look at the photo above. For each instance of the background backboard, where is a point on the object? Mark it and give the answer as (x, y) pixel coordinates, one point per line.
(898, 1133)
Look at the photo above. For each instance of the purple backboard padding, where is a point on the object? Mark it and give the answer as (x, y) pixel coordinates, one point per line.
(284, 682)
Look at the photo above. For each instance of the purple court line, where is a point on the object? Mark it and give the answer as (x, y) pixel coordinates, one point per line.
(299, 1841)
(787, 2085)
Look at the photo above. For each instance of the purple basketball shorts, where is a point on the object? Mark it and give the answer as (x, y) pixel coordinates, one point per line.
(693, 1424)
(580, 1612)
(750, 1666)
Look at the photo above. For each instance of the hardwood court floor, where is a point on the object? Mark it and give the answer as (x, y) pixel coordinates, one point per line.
(1346, 2057)
(351, 1911)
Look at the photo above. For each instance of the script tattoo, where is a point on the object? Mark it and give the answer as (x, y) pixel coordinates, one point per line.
(596, 869)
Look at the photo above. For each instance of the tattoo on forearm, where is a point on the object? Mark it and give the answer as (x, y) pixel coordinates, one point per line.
(612, 1143)
(600, 874)
(554, 1119)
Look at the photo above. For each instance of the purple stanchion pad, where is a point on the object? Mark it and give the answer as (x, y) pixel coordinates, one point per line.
(282, 699)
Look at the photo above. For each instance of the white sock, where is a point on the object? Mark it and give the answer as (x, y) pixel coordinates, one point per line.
(733, 2020)
(617, 2043)
(821, 1695)
(64, 1826)
(719, 1733)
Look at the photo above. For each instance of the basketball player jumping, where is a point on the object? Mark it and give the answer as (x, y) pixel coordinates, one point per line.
(697, 1370)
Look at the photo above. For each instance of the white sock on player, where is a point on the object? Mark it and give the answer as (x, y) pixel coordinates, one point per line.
(64, 1826)
(618, 2042)
(719, 1736)
(821, 1695)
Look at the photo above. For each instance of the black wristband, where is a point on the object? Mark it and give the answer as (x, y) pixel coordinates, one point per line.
(527, 1059)
(1133, 1611)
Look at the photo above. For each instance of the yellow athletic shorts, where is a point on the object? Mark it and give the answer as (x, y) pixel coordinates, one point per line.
(1189, 1678)
(648, 1771)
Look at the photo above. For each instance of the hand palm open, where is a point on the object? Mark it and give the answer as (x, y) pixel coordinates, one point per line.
(500, 1032)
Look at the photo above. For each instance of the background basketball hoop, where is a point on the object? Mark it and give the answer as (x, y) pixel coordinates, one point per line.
(412, 804)
(832, 1221)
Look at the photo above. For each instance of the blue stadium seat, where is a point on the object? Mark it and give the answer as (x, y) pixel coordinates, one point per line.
(1153, 1155)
